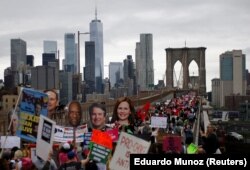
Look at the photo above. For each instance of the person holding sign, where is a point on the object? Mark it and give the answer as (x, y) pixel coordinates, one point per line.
(124, 115)
(75, 113)
(97, 114)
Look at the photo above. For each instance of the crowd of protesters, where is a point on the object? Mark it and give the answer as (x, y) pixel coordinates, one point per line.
(181, 113)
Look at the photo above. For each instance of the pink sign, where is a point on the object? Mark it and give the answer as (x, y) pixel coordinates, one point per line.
(113, 133)
(172, 144)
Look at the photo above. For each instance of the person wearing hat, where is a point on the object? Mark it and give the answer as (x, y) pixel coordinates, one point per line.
(62, 156)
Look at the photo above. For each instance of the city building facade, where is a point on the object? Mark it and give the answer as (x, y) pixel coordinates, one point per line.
(232, 74)
(115, 73)
(44, 77)
(216, 92)
(89, 69)
(50, 47)
(96, 35)
(144, 62)
(70, 47)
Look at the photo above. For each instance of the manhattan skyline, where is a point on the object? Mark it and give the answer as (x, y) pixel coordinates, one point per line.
(220, 26)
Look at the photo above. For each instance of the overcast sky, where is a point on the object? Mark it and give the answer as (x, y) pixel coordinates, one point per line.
(218, 25)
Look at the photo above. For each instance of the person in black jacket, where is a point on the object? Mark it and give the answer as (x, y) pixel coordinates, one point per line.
(210, 140)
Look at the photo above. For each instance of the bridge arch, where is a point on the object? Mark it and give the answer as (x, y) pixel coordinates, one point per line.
(178, 74)
(186, 56)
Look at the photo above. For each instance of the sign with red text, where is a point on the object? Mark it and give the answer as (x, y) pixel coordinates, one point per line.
(126, 145)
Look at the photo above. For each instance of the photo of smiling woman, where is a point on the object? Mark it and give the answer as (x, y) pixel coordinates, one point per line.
(124, 115)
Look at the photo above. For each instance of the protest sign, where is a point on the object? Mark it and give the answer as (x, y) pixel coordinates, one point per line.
(101, 138)
(65, 134)
(126, 145)
(10, 141)
(100, 146)
(98, 153)
(33, 154)
(86, 139)
(158, 122)
(33, 104)
(45, 137)
(192, 148)
(172, 144)
(114, 134)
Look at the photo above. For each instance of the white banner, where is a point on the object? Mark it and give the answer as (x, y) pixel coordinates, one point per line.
(10, 141)
(158, 122)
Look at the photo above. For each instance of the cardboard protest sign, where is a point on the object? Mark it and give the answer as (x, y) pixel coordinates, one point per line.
(10, 141)
(126, 145)
(33, 104)
(158, 122)
(45, 137)
(172, 143)
(65, 134)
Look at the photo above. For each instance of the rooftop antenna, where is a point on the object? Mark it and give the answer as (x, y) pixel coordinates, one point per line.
(185, 43)
(95, 10)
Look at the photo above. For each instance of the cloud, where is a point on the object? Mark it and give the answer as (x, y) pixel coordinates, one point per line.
(218, 25)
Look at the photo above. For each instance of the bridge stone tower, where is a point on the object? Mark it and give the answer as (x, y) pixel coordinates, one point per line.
(186, 56)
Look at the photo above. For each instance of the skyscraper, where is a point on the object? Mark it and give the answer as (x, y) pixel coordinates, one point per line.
(232, 74)
(129, 75)
(144, 62)
(216, 92)
(96, 35)
(44, 77)
(89, 69)
(50, 47)
(30, 60)
(115, 73)
(128, 68)
(48, 57)
(18, 53)
(70, 64)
